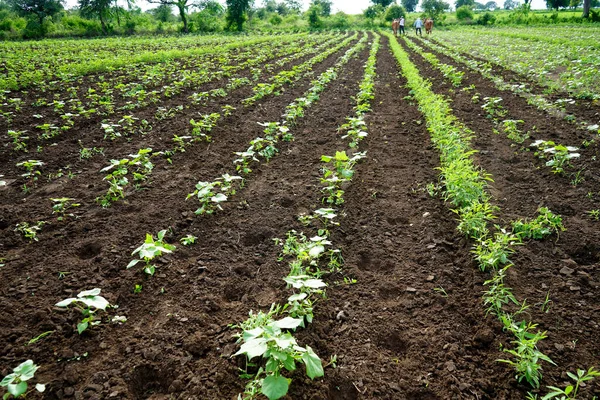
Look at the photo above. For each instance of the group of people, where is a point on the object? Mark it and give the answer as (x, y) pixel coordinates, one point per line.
(398, 26)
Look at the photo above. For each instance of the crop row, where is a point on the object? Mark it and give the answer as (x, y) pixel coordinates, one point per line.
(556, 108)
(90, 303)
(22, 73)
(262, 334)
(464, 186)
(571, 69)
(137, 96)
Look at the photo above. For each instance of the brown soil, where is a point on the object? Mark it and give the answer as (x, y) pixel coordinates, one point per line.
(412, 326)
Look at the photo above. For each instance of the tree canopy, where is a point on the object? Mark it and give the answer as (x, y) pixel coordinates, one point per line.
(236, 13)
(434, 8)
(382, 3)
(410, 5)
(40, 8)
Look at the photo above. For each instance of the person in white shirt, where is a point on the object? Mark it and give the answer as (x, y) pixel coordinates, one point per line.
(402, 32)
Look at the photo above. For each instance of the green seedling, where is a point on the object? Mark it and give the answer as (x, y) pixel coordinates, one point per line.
(570, 392)
(594, 214)
(208, 195)
(543, 225)
(150, 250)
(39, 337)
(558, 156)
(512, 130)
(88, 302)
(265, 337)
(493, 253)
(31, 166)
(188, 240)
(61, 205)
(19, 140)
(493, 107)
(16, 383)
(30, 231)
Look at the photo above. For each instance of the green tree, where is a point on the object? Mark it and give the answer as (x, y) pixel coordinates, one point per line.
(464, 13)
(410, 5)
(373, 12)
(295, 6)
(491, 5)
(325, 6)
(38, 8)
(460, 3)
(314, 21)
(236, 13)
(394, 11)
(182, 7)
(163, 13)
(382, 3)
(102, 9)
(510, 4)
(434, 8)
(556, 4)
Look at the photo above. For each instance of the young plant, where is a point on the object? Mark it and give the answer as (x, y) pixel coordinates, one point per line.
(208, 195)
(544, 225)
(30, 231)
(150, 250)
(262, 336)
(31, 166)
(19, 140)
(570, 392)
(61, 205)
(526, 353)
(512, 130)
(493, 107)
(594, 214)
(16, 383)
(188, 240)
(88, 302)
(558, 156)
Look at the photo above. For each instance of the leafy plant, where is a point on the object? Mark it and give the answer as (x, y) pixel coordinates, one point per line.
(513, 132)
(543, 225)
(150, 250)
(265, 337)
(188, 240)
(208, 195)
(30, 231)
(88, 302)
(570, 392)
(594, 214)
(558, 156)
(16, 382)
(493, 107)
(61, 205)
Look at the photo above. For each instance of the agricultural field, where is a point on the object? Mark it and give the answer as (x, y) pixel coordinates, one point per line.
(343, 215)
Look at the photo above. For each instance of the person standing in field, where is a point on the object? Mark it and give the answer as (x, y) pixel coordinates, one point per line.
(402, 32)
(418, 27)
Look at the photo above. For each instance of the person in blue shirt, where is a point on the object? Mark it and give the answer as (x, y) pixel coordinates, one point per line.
(418, 27)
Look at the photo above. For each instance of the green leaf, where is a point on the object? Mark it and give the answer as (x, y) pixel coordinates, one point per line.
(133, 263)
(253, 348)
(275, 387)
(92, 292)
(26, 370)
(98, 302)
(288, 323)
(65, 302)
(8, 379)
(18, 389)
(82, 326)
(314, 368)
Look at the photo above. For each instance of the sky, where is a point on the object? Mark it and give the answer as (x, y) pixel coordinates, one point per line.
(347, 6)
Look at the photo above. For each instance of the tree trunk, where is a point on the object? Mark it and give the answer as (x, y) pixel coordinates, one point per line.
(103, 23)
(586, 8)
(181, 8)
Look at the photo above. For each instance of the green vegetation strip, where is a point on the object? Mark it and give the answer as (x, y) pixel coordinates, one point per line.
(265, 336)
(465, 188)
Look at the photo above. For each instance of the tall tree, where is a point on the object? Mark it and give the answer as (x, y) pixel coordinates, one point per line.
(410, 5)
(182, 7)
(236, 13)
(510, 4)
(372, 12)
(460, 3)
(325, 6)
(40, 8)
(294, 6)
(492, 5)
(586, 9)
(383, 3)
(556, 4)
(394, 11)
(102, 9)
(434, 8)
